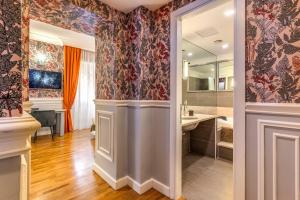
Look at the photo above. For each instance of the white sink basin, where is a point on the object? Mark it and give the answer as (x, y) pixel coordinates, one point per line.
(190, 127)
(191, 122)
(189, 117)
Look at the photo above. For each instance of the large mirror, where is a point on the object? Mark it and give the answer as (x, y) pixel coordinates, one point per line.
(203, 71)
(225, 75)
(202, 77)
(199, 67)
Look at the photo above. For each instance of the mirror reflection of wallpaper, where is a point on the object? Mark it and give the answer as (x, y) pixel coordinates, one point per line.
(54, 62)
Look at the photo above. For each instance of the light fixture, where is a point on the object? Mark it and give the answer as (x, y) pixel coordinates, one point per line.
(225, 46)
(229, 13)
(40, 58)
(190, 54)
(185, 70)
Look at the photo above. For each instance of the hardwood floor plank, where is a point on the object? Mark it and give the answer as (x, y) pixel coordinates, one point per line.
(62, 170)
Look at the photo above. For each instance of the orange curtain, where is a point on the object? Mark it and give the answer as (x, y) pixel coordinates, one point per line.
(71, 73)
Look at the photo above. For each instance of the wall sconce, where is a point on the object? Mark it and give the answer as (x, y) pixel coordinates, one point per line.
(185, 70)
(41, 58)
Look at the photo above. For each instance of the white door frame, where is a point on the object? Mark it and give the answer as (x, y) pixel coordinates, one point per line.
(239, 98)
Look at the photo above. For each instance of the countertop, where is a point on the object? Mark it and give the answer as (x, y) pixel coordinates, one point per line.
(199, 118)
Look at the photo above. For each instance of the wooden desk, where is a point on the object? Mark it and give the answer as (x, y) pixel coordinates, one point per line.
(60, 121)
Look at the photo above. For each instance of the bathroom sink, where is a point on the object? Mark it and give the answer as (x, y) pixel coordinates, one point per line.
(190, 127)
(189, 117)
(189, 123)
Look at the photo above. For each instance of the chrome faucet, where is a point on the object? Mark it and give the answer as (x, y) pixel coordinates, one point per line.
(184, 107)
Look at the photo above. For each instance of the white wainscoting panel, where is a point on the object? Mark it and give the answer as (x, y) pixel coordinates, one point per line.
(261, 126)
(105, 134)
(296, 148)
(125, 132)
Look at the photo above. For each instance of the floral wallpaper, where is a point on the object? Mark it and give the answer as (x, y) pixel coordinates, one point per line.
(63, 14)
(140, 52)
(273, 51)
(25, 48)
(105, 58)
(133, 50)
(54, 62)
(10, 58)
(273, 45)
(120, 68)
(149, 52)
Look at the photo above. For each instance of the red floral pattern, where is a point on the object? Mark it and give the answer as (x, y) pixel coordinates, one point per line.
(149, 52)
(133, 50)
(273, 51)
(11, 57)
(25, 48)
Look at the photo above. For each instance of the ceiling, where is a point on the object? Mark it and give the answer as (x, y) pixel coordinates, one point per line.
(207, 26)
(128, 5)
(55, 35)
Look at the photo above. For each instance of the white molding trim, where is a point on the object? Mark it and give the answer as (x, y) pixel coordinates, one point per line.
(27, 106)
(108, 154)
(286, 109)
(239, 113)
(127, 180)
(122, 182)
(139, 188)
(15, 124)
(107, 178)
(15, 140)
(46, 99)
(274, 144)
(133, 103)
(47, 103)
(24, 178)
(261, 124)
(162, 188)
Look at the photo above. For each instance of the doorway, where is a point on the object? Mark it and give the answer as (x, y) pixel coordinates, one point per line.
(220, 83)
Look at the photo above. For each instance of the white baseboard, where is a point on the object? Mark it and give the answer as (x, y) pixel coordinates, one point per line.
(103, 174)
(127, 180)
(165, 190)
(147, 185)
(122, 182)
(139, 188)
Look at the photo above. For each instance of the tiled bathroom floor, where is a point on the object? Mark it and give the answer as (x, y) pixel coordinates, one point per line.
(204, 178)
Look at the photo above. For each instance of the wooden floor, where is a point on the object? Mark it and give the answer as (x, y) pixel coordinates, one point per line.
(62, 170)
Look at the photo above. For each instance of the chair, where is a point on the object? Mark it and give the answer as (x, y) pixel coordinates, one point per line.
(47, 118)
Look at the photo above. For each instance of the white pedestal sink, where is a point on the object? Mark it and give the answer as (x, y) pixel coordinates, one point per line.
(191, 122)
